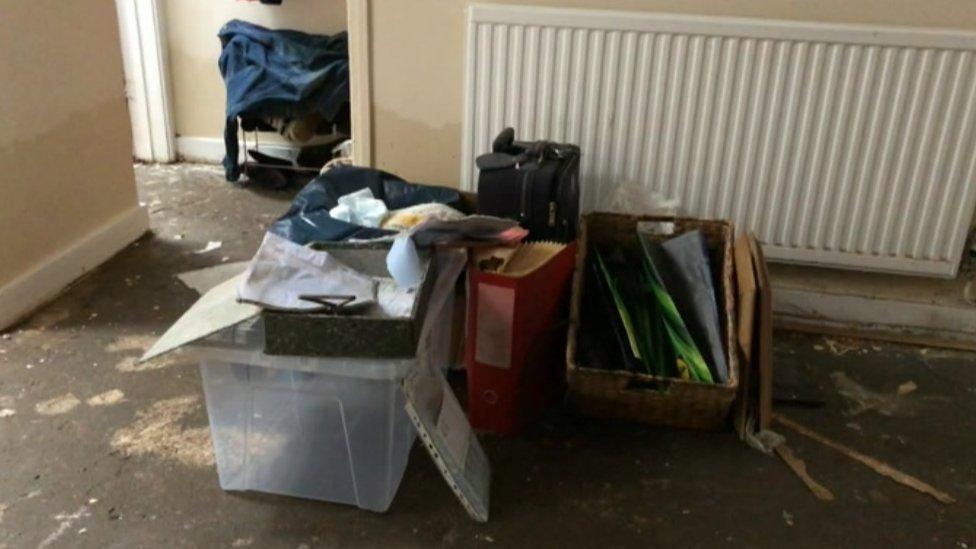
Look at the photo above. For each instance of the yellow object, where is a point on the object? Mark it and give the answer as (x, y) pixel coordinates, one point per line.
(408, 218)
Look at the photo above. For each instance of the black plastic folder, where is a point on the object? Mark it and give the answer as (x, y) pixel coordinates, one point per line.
(683, 265)
(615, 311)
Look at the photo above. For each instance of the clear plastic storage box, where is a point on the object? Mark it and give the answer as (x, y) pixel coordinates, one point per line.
(327, 428)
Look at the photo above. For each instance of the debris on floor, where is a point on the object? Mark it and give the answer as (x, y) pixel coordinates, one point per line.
(160, 431)
(841, 347)
(862, 399)
(878, 466)
(799, 467)
(65, 522)
(211, 246)
(788, 518)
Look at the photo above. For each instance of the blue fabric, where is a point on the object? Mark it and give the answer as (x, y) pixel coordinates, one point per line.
(308, 219)
(280, 73)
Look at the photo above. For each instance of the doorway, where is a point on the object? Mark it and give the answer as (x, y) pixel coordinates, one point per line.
(175, 93)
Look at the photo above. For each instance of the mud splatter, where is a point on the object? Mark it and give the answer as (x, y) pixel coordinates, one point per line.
(57, 405)
(107, 398)
(159, 431)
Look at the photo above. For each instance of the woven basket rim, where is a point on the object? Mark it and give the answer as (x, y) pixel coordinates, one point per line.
(571, 363)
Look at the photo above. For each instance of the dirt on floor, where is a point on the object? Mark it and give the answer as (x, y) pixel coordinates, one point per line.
(99, 451)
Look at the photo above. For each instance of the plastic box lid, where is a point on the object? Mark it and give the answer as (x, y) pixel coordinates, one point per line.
(244, 344)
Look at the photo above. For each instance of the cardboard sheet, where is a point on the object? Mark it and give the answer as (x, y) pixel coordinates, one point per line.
(746, 285)
(763, 350)
(519, 261)
(216, 310)
(203, 280)
(530, 256)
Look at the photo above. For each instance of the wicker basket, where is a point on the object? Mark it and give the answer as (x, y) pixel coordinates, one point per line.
(645, 398)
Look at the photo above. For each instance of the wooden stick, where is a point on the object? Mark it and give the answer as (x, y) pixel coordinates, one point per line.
(800, 468)
(878, 466)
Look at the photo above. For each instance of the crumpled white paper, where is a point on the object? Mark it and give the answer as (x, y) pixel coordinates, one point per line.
(282, 271)
(360, 208)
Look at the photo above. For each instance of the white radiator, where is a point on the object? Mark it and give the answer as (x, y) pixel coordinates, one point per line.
(837, 145)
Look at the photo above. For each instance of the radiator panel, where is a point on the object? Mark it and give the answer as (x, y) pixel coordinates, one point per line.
(837, 145)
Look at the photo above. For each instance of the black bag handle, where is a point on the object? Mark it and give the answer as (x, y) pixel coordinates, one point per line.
(523, 152)
(504, 141)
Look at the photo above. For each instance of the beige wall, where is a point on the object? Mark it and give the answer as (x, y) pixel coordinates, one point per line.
(191, 29)
(65, 142)
(417, 51)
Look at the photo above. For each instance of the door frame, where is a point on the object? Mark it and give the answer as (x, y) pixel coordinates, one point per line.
(149, 96)
(147, 87)
(360, 77)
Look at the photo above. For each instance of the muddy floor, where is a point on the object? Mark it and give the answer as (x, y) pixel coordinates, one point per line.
(99, 451)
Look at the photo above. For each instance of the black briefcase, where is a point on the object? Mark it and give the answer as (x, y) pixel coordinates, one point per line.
(535, 183)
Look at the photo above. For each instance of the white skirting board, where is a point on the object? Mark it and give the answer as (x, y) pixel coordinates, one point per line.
(210, 150)
(144, 57)
(47, 279)
(821, 309)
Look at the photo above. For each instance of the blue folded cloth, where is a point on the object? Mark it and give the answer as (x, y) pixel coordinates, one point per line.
(279, 73)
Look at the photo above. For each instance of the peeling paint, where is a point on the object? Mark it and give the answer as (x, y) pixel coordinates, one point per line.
(57, 405)
(158, 431)
(108, 398)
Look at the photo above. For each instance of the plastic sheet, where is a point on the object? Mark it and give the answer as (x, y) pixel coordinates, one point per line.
(327, 428)
(282, 272)
(360, 208)
(308, 219)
